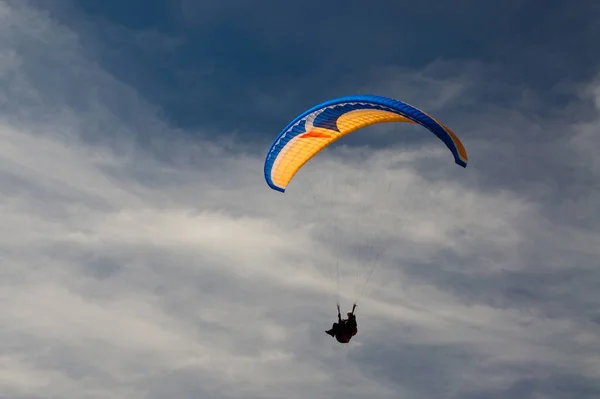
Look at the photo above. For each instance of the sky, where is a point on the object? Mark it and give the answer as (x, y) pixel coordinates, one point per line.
(142, 254)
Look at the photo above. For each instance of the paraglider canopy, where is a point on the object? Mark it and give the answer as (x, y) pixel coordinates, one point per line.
(327, 122)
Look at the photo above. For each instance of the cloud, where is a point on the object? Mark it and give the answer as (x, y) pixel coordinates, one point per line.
(139, 259)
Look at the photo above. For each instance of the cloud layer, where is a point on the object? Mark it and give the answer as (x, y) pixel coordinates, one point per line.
(142, 260)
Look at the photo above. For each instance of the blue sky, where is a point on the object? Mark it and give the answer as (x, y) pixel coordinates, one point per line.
(143, 255)
(203, 62)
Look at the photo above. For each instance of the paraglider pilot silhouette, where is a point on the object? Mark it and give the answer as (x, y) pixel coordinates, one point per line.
(344, 329)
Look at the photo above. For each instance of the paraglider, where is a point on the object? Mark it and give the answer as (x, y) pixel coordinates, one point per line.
(344, 329)
(316, 129)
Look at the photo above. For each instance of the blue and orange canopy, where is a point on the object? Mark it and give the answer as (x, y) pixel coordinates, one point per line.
(327, 122)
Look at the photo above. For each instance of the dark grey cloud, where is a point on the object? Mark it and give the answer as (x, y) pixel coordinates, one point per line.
(233, 65)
